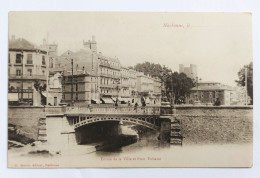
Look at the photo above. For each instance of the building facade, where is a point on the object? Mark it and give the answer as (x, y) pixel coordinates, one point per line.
(207, 93)
(27, 64)
(106, 80)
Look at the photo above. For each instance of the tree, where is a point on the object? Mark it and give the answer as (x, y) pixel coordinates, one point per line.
(178, 87)
(40, 87)
(241, 79)
(152, 69)
(174, 85)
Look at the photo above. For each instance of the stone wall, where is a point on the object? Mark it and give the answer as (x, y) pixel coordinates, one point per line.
(206, 125)
(26, 119)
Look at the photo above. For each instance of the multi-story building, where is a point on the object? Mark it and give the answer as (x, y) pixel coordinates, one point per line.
(149, 88)
(55, 72)
(79, 88)
(27, 65)
(209, 92)
(109, 76)
(109, 81)
(191, 71)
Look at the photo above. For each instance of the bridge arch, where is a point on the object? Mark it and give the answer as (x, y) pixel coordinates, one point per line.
(149, 121)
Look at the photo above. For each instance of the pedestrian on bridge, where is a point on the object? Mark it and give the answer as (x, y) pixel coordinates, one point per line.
(135, 107)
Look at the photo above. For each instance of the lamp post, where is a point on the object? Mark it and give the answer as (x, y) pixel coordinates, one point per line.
(117, 81)
(172, 101)
(72, 77)
(197, 88)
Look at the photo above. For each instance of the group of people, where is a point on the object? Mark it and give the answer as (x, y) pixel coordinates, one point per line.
(129, 103)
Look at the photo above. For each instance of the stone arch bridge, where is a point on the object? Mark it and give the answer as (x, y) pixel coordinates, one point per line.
(77, 120)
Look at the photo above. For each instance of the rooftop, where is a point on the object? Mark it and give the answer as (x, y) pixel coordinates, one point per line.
(213, 87)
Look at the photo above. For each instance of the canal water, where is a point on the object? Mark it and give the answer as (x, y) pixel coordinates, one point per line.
(147, 151)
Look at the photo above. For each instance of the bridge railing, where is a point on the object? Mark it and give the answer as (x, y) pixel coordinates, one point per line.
(148, 110)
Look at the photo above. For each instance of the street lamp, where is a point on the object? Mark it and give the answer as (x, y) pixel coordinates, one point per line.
(172, 102)
(197, 87)
(117, 81)
(72, 76)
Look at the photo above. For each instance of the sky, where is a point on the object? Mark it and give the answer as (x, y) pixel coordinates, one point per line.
(218, 43)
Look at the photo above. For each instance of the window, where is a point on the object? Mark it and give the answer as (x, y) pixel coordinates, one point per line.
(29, 71)
(29, 59)
(51, 62)
(9, 58)
(18, 72)
(43, 60)
(18, 59)
(43, 72)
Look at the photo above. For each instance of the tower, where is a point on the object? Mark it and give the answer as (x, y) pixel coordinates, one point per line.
(91, 44)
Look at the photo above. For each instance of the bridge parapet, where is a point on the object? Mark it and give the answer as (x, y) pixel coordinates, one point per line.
(148, 110)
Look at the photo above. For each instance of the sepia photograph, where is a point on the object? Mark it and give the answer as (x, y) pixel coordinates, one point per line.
(130, 89)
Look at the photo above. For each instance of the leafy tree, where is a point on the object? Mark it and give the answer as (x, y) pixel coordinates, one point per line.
(40, 87)
(152, 69)
(174, 85)
(241, 79)
(178, 87)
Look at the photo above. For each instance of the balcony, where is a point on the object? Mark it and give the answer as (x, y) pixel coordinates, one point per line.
(27, 77)
(104, 64)
(108, 85)
(20, 90)
(105, 75)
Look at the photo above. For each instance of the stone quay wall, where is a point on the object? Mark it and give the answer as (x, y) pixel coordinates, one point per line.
(221, 125)
(26, 119)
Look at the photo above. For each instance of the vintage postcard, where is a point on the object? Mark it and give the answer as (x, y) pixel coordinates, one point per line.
(130, 89)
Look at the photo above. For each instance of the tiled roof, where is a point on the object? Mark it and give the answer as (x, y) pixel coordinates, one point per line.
(21, 44)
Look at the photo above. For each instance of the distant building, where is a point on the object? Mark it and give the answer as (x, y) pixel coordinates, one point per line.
(191, 71)
(26, 65)
(208, 92)
(55, 87)
(52, 50)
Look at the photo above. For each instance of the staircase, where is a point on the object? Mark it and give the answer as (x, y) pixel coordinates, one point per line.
(42, 135)
(176, 135)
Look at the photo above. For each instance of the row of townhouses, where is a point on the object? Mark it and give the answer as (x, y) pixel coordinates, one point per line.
(38, 76)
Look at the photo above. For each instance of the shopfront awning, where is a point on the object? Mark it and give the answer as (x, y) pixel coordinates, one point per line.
(120, 99)
(95, 101)
(127, 99)
(107, 100)
(13, 97)
(45, 95)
